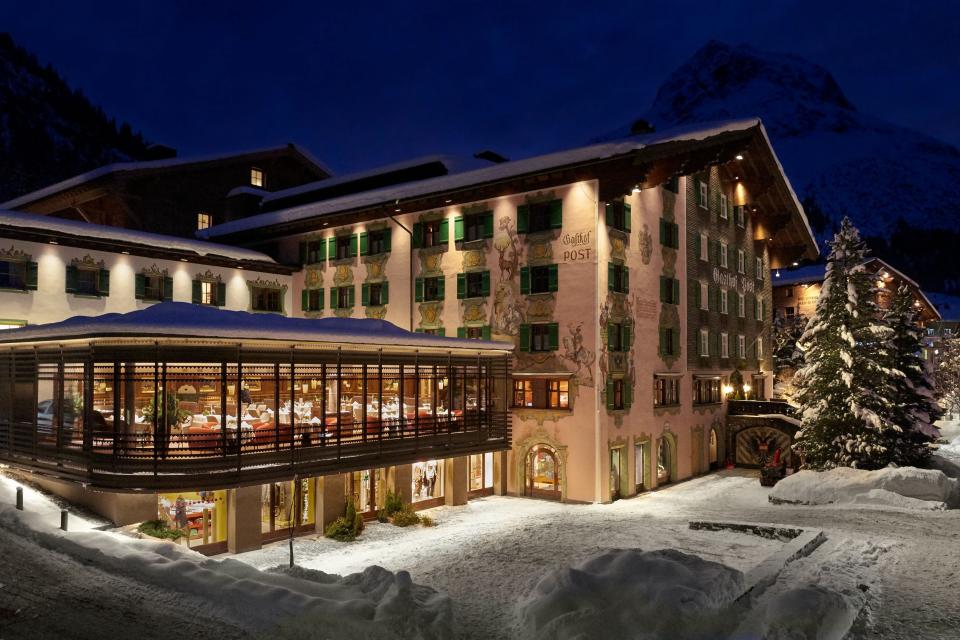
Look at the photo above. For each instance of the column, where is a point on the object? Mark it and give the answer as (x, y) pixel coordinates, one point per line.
(243, 519)
(500, 473)
(331, 500)
(455, 481)
(400, 480)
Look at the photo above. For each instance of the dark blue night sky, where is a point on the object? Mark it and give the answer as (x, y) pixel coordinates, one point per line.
(362, 85)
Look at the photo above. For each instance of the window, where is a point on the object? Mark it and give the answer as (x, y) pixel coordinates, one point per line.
(88, 281)
(741, 304)
(788, 292)
(12, 324)
(18, 274)
(741, 346)
(703, 194)
(669, 290)
(724, 250)
(724, 294)
(759, 348)
(343, 247)
(313, 251)
(758, 268)
(724, 345)
(741, 261)
(374, 294)
(724, 215)
(668, 343)
(209, 292)
(758, 309)
(704, 343)
(342, 297)
(618, 216)
(669, 234)
(429, 289)
(431, 233)
(740, 216)
(539, 337)
(311, 299)
(704, 296)
(257, 177)
(666, 391)
(475, 332)
(375, 242)
(154, 287)
(266, 299)
(437, 331)
(617, 401)
(540, 279)
(539, 216)
(672, 184)
(541, 393)
(618, 278)
(204, 220)
(475, 226)
(618, 336)
(704, 247)
(791, 312)
(706, 390)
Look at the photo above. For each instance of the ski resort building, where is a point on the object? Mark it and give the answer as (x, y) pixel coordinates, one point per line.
(578, 326)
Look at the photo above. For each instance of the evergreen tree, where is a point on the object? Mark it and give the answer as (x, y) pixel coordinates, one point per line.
(844, 389)
(948, 374)
(787, 357)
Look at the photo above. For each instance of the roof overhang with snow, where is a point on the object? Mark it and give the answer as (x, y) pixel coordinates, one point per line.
(649, 159)
(184, 323)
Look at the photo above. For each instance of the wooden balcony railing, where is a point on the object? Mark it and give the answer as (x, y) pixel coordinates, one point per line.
(759, 408)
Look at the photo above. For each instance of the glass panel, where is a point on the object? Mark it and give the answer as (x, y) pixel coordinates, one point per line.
(427, 480)
(200, 515)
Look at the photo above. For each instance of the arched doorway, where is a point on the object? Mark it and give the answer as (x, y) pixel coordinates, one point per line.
(664, 462)
(542, 473)
(713, 453)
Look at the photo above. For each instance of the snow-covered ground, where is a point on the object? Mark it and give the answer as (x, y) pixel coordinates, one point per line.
(895, 572)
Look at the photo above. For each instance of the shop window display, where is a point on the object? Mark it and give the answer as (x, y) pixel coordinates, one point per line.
(286, 504)
(427, 480)
(481, 471)
(201, 516)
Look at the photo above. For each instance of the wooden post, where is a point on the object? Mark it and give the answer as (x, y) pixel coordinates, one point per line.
(63, 519)
(19, 498)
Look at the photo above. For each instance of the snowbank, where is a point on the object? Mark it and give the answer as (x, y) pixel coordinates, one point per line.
(809, 612)
(375, 603)
(628, 593)
(904, 487)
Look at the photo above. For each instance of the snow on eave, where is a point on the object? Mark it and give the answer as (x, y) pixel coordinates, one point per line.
(37, 223)
(503, 171)
(145, 165)
(793, 194)
(185, 321)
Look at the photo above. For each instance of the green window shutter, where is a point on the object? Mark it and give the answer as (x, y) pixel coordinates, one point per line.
(626, 336)
(103, 282)
(610, 394)
(441, 286)
(461, 332)
(626, 217)
(556, 214)
(221, 294)
(611, 335)
(485, 332)
(524, 280)
(305, 300)
(755, 309)
(676, 291)
(610, 270)
(696, 192)
(417, 235)
(197, 299)
(663, 289)
(419, 290)
(696, 245)
(488, 224)
(31, 283)
(663, 231)
(365, 294)
(523, 218)
(334, 297)
(554, 277)
(444, 232)
(303, 252)
(458, 229)
(662, 343)
(554, 331)
(461, 286)
(524, 337)
(387, 235)
(350, 293)
(443, 331)
(695, 287)
(71, 279)
(712, 294)
(626, 280)
(627, 393)
(167, 288)
(485, 284)
(364, 244)
(676, 235)
(385, 293)
(331, 248)
(608, 214)
(139, 286)
(353, 245)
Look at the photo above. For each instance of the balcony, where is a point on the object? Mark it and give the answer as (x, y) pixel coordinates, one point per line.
(760, 408)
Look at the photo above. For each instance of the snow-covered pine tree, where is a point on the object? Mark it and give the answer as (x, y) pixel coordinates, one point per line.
(844, 388)
(948, 374)
(914, 403)
(787, 358)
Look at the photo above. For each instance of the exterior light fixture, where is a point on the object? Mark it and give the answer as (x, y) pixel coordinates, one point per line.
(126, 253)
(727, 389)
(739, 156)
(397, 210)
(746, 387)
(636, 189)
(53, 242)
(777, 274)
(796, 264)
(183, 260)
(448, 200)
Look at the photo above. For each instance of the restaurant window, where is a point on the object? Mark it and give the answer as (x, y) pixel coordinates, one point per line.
(311, 299)
(539, 216)
(539, 337)
(204, 220)
(285, 504)
(475, 226)
(431, 233)
(618, 278)
(475, 284)
(257, 177)
(88, 279)
(706, 390)
(374, 294)
(266, 299)
(427, 480)
(666, 391)
(618, 215)
(430, 289)
(153, 286)
(18, 274)
(199, 516)
(539, 279)
(541, 393)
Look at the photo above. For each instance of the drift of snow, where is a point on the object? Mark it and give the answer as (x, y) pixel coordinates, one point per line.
(904, 487)
(628, 593)
(809, 611)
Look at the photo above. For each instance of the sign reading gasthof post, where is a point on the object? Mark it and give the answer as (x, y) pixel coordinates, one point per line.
(578, 246)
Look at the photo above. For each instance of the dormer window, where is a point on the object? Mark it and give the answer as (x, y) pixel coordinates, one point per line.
(257, 177)
(204, 220)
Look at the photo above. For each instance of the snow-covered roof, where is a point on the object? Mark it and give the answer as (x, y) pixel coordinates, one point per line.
(85, 230)
(493, 173)
(185, 320)
(119, 167)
